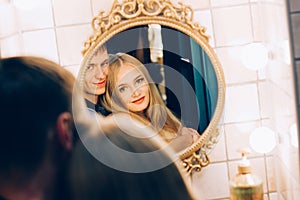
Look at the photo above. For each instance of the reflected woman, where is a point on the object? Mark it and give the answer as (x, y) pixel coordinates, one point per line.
(130, 89)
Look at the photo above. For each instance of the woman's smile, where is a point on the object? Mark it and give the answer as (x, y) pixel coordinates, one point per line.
(138, 101)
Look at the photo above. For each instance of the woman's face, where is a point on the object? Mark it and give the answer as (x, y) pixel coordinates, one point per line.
(132, 88)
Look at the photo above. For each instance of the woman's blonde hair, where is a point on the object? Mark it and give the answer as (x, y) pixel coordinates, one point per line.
(157, 114)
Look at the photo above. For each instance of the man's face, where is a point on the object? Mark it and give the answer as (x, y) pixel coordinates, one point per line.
(96, 74)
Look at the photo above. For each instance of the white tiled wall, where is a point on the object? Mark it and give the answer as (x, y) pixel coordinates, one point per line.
(230, 57)
(101, 6)
(226, 3)
(69, 44)
(212, 182)
(57, 29)
(40, 43)
(69, 12)
(7, 27)
(242, 103)
(11, 43)
(232, 25)
(41, 19)
(203, 17)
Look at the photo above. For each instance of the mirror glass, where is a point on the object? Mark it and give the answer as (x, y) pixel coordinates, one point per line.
(181, 69)
(176, 52)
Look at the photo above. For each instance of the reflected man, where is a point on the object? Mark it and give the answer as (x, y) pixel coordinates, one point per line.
(95, 80)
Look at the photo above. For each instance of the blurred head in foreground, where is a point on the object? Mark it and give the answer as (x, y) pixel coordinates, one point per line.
(36, 126)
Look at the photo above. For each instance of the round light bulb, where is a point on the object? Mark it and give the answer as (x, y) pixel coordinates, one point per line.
(293, 135)
(254, 56)
(262, 140)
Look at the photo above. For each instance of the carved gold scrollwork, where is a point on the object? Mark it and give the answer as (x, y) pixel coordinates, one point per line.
(131, 9)
(196, 161)
(199, 158)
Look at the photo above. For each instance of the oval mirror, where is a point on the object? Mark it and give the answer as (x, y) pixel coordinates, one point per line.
(178, 57)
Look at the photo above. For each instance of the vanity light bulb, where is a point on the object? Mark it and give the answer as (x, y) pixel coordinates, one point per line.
(254, 56)
(293, 135)
(262, 140)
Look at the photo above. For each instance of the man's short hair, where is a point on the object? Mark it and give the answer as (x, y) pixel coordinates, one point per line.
(33, 93)
(100, 49)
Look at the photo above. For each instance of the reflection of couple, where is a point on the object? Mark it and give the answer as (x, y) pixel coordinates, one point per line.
(121, 83)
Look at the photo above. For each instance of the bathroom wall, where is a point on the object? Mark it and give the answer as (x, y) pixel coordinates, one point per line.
(254, 98)
(289, 155)
(10, 38)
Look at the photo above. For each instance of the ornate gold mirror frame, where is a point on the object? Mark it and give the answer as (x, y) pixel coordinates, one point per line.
(132, 13)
